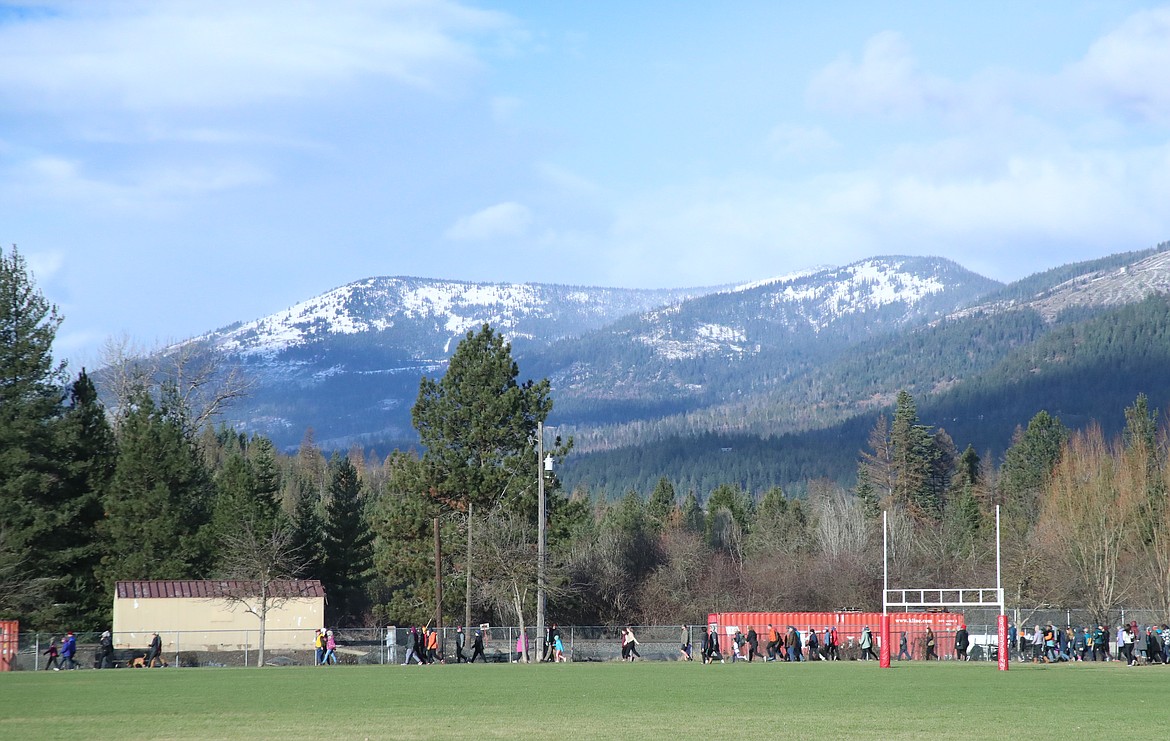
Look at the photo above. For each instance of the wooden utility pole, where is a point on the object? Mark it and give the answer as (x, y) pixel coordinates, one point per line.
(438, 580)
(467, 606)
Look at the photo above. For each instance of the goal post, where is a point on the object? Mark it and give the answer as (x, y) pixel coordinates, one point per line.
(942, 598)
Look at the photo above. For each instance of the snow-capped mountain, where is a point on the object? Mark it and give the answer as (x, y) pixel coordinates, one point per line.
(744, 341)
(864, 298)
(347, 363)
(425, 318)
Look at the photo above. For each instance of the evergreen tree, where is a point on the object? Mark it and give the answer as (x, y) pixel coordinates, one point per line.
(478, 427)
(661, 507)
(87, 443)
(401, 519)
(308, 528)
(245, 494)
(31, 496)
(729, 514)
(1028, 463)
(914, 458)
(692, 514)
(158, 506)
(348, 544)
(865, 492)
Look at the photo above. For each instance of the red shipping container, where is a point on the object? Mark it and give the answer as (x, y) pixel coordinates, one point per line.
(849, 626)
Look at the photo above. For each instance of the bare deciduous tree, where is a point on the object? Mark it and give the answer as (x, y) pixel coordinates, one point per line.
(260, 563)
(507, 565)
(1087, 515)
(201, 379)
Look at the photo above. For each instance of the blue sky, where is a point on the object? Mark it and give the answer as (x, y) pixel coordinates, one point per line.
(172, 167)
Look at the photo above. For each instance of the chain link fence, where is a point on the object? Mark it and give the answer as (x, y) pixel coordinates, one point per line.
(391, 645)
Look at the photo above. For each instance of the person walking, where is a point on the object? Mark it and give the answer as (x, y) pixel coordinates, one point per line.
(558, 648)
(773, 642)
(477, 647)
(460, 641)
(554, 632)
(867, 645)
(1101, 643)
(711, 645)
(413, 647)
(930, 645)
(330, 648)
(812, 643)
(1153, 646)
(106, 651)
(962, 643)
(52, 653)
(685, 639)
(904, 647)
(154, 652)
(1128, 637)
(319, 647)
(434, 655)
(753, 644)
(68, 651)
(521, 646)
(632, 644)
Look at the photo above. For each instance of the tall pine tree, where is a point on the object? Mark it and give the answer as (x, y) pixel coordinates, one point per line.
(348, 545)
(31, 495)
(90, 452)
(159, 504)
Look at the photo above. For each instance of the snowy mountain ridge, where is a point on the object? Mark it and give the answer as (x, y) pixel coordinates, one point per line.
(450, 308)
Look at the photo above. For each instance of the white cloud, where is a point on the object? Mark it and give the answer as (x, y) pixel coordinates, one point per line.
(53, 179)
(507, 219)
(1129, 67)
(885, 80)
(566, 180)
(146, 55)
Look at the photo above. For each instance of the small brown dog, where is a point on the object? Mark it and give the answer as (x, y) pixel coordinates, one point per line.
(138, 662)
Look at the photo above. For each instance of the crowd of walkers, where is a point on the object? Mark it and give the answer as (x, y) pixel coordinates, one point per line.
(1048, 644)
(781, 645)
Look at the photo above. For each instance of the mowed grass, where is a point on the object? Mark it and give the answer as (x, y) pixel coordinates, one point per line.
(651, 700)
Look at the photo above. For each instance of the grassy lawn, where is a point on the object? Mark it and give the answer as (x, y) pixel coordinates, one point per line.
(652, 700)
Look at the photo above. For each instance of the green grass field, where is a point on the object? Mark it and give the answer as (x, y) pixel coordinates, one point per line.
(652, 700)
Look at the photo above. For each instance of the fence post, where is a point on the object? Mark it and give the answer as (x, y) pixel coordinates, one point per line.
(37, 646)
(247, 644)
(178, 635)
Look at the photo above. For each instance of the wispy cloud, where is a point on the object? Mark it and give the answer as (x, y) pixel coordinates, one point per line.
(507, 219)
(1128, 68)
(158, 55)
(885, 80)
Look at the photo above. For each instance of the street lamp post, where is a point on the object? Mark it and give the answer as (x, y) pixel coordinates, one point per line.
(540, 535)
(543, 465)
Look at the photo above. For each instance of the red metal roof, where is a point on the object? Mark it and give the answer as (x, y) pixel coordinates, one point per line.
(216, 588)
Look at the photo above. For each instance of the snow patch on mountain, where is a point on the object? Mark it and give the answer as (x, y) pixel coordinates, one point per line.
(706, 339)
(863, 286)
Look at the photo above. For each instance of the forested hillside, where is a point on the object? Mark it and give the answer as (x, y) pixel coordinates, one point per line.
(978, 377)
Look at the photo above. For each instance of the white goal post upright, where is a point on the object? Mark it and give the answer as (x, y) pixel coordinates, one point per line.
(944, 598)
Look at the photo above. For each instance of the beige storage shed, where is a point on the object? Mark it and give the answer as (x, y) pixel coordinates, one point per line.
(213, 615)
